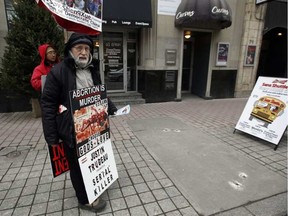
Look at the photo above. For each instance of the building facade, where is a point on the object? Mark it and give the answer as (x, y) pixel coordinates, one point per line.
(143, 49)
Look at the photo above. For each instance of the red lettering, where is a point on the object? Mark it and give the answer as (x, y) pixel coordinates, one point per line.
(61, 166)
(58, 152)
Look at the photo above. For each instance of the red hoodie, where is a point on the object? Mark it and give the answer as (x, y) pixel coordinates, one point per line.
(42, 68)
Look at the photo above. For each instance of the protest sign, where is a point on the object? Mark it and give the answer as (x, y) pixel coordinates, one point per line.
(78, 15)
(59, 163)
(93, 144)
(265, 115)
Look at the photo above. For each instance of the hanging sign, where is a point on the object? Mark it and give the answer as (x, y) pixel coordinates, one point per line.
(76, 15)
(265, 114)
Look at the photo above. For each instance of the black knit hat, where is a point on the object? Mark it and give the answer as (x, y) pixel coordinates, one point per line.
(77, 38)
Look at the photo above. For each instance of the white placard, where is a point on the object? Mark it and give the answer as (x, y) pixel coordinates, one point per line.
(98, 169)
(266, 114)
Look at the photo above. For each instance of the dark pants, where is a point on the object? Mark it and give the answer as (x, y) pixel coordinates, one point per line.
(75, 174)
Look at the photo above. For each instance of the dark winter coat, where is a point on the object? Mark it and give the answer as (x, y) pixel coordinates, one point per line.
(61, 80)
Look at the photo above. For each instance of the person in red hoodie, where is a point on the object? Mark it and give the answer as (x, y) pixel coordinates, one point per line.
(48, 59)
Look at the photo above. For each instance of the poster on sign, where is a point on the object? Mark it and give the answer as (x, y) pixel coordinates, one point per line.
(265, 114)
(93, 143)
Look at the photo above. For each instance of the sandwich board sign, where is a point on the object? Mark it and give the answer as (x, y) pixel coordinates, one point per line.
(93, 142)
(266, 113)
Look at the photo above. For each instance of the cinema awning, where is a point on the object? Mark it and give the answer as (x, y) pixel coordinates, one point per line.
(135, 13)
(203, 14)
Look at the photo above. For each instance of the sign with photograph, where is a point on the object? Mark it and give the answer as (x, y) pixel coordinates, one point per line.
(250, 55)
(265, 114)
(222, 54)
(76, 15)
(92, 131)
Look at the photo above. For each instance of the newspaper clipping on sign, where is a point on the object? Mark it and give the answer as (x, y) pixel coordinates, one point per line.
(265, 114)
(88, 14)
(93, 143)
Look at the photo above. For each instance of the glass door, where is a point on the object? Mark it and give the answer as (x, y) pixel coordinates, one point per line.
(114, 75)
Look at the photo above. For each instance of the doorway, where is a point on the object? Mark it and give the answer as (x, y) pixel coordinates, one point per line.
(119, 57)
(195, 62)
(187, 65)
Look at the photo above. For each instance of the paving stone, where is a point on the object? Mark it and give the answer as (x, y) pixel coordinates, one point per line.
(6, 212)
(121, 213)
(115, 193)
(25, 200)
(132, 201)
(8, 204)
(43, 188)
(153, 209)
(3, 194)
(147, 197)
(129, 190)
(57, 185)
(70, 202)
(29, 190)
(118, 204)
(137, 179)
(160, 194)
(23, 211)
(13, 170)
(172, 191)
(70, 212)
(167, 205)
(32, 181)
(69, 192)
(38, 209)
(124, 182)
(180, 202)
(14, 193)
(154, 185)
(140, 188)
(138, 211)
(55, 214)
(41, 197)
(9, 178)
(165, 182)
(133, 172)
(173, 213)
(54, 206)
(56, 195)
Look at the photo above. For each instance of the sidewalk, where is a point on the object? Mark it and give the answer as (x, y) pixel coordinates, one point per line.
(174, 158)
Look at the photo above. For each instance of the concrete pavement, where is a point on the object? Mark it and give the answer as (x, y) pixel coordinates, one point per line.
(174, 158)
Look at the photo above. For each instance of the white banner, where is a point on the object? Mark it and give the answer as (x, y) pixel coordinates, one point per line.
(76, 11)
(266, 114)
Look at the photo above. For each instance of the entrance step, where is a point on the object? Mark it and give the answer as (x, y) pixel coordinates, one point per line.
(122, 99)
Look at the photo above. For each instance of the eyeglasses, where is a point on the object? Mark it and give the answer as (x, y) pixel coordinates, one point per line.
(80, 48)
(51, 53)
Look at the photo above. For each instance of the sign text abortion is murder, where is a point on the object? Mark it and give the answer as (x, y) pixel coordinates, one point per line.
(88, 96)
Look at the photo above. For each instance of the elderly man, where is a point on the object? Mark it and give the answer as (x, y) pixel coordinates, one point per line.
(77, 70)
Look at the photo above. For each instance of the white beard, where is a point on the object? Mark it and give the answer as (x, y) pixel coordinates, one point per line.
(81, 62)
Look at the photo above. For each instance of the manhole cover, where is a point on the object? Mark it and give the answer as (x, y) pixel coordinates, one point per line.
(13, 154)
